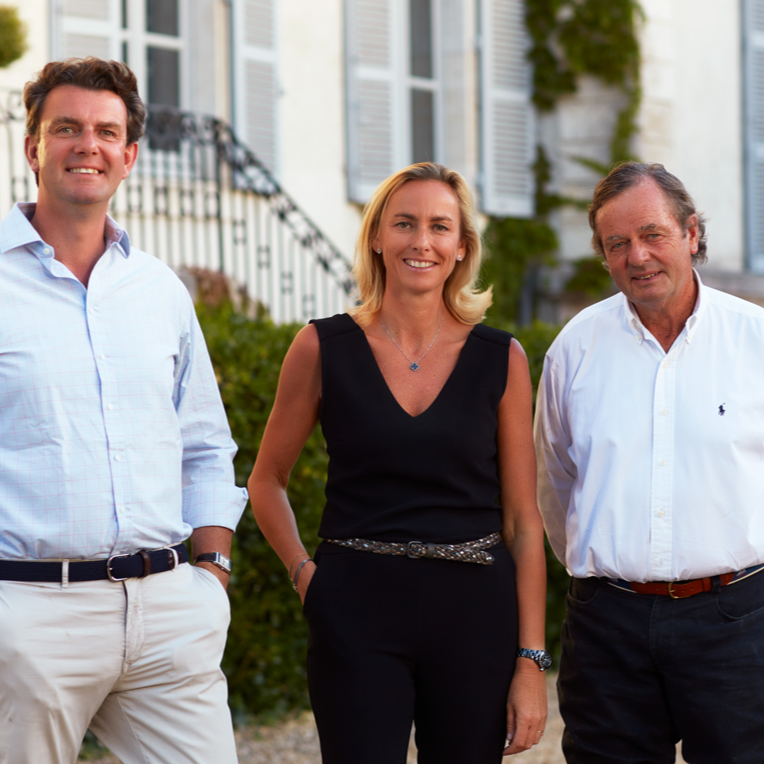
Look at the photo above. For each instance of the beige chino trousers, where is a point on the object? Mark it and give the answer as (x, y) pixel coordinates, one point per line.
(138, 662)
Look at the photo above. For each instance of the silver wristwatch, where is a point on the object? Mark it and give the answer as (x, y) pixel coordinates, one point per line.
(215, 558)
(542, 658)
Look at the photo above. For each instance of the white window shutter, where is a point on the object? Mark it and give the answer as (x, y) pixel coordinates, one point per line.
(86, 28)
(507, 123)
(371, 95)
(754, 131)
(89, 9)
(256, 78)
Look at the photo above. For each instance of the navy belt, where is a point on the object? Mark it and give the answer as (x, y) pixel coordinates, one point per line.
(118, 567)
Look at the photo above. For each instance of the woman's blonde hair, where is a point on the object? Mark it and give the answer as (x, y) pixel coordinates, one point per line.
(465, 303)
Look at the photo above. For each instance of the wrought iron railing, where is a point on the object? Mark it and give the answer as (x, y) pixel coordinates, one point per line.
(198, 197)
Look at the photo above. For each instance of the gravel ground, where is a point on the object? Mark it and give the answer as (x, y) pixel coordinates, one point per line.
(296, 742)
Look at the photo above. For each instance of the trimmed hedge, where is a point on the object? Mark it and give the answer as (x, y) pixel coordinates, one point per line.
(265, 655)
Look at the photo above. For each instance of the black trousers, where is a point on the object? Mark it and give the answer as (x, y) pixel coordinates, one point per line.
(639, 672)
(395, 640)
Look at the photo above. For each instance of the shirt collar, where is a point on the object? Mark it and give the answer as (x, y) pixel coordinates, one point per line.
(17, 231)
(638, 330)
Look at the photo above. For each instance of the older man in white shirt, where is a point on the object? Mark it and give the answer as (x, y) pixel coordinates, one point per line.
(650, 442)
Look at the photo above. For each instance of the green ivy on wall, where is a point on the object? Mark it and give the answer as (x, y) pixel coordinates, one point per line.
(571, 38)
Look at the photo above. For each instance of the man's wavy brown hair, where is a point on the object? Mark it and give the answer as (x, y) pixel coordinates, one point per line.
(627, 175)
(92, 74)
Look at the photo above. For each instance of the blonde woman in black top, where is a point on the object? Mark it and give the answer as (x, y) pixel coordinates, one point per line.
(425, 601)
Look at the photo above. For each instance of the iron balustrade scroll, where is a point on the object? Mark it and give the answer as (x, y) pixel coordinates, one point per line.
(198, 197)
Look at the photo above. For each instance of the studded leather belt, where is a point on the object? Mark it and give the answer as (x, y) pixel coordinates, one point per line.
(680, 589)
(469, 551)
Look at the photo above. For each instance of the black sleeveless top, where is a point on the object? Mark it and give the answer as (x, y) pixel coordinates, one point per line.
(394, 477)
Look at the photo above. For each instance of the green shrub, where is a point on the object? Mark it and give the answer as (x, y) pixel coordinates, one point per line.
(265, 655)
(591, 278)
(13, 36)
(512, 246)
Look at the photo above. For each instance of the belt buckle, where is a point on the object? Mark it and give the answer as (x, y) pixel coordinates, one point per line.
(172, 556)
(111, 576)
(676, 596)
(410, 550)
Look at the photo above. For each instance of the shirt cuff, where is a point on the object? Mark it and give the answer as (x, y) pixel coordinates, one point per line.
(213, 504)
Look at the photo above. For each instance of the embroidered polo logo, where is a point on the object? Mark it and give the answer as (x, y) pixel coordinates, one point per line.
(722, 410)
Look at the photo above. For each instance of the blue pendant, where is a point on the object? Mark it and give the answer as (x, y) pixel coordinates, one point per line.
(414, 366)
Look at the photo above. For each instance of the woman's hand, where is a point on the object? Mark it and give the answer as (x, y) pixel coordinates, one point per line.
(526, 707)
(303, 582)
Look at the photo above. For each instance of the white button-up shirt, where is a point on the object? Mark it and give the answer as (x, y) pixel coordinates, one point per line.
(113, 437)
(651, 464)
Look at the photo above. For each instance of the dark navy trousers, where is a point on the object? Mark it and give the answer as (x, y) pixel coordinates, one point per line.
(640, 672)
(395, 640)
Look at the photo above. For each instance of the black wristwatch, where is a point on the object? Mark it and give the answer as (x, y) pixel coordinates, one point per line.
(215, 558)
(542, 658)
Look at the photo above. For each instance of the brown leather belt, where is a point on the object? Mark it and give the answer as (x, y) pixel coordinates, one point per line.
(679, 590)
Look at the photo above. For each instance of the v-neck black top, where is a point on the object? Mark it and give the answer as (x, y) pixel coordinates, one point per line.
(396, 477)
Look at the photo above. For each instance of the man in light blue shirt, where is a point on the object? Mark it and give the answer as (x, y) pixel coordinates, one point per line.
(114, 448)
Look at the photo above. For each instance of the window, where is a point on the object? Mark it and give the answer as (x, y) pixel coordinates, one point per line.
(393, 89)
(146, 34)
(163, 47)
(753, 79)
(255, 78)
(396, 53)
(423, 85)
(507, 125)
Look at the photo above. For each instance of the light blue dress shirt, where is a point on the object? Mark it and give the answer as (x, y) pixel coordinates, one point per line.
(113, 437)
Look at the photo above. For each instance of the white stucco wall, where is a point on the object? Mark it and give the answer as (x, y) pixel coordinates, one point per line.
(581, 127)
(691, 118)
(312, 116)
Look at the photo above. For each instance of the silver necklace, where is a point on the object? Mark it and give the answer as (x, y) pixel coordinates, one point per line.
(414, 365)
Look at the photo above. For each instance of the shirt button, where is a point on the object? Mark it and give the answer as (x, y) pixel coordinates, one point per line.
(660, 513)
(46, 251)
(110, 407)
(665, 364)
(663, 412)
(117, 458)
(121, 510)
(91, 311)
(662, 462)
(102, 357)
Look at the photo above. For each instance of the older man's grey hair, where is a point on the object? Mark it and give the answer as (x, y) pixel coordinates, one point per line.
(630, 174)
